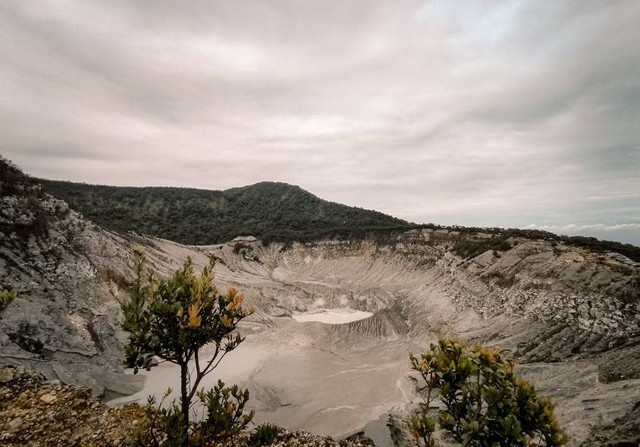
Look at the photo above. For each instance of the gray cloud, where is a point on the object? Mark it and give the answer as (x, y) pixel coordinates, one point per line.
(479, 113)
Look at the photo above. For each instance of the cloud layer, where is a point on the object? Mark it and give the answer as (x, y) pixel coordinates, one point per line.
(455, 112)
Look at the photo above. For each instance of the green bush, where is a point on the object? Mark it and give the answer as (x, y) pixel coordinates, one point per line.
(468, 248)
(485, 403)
(159, 428)
(225, 416)
(173, 319)
(265, 434)
(6, 297)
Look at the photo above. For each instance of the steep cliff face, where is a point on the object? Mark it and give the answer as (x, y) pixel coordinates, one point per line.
(70, 276)
(65, 320)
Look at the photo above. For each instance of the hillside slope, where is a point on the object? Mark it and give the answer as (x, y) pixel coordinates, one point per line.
(69, 275)
(65, 321)
(270, 211)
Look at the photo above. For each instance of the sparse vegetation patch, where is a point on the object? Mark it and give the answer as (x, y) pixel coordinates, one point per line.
(484, 403)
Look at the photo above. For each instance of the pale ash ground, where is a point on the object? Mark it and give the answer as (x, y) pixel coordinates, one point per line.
(336, 378)
(293, 385)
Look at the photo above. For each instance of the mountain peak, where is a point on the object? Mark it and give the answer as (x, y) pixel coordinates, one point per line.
(268, 210)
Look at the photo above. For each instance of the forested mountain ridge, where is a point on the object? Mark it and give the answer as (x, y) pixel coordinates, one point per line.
(272, 212)
(267, 210)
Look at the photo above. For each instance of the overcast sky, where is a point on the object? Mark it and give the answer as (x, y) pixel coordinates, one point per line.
(520, 113)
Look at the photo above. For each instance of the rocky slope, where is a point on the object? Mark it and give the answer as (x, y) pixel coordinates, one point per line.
(36, 412)
(68, 274)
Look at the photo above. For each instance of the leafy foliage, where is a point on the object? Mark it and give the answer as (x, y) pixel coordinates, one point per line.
(29, 195)
(265, 434)
(160, 423)
(13, 181)
(225, 416)
(225, 419)
(485, 402)
(269, 211)
(173, 318)
(6, 297)
(467, 248)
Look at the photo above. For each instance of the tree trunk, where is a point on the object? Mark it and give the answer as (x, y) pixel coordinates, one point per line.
(185, 403)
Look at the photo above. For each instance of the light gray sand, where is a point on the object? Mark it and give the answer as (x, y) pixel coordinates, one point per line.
(236, 367)
(304, 386)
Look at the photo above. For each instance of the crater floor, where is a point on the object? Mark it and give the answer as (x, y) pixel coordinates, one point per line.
(327, 349)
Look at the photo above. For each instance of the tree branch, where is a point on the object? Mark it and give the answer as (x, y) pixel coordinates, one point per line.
(201, 373)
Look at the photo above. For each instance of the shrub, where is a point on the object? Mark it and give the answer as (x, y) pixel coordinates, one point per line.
(265, 434)
(173, 318)
(239, 246)
(159, 427)
(6, 297)
(469, 248)
(225, 417)
(485, 402)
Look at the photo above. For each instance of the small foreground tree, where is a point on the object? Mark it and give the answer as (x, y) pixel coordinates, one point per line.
(484, 403)
(173, 319)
